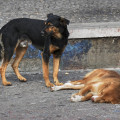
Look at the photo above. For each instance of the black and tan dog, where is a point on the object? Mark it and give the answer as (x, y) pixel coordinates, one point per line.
(50, 36)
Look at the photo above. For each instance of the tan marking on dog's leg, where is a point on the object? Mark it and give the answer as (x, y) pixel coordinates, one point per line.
(56, 62)
(3, 70)
(45, 67)
(20, 51)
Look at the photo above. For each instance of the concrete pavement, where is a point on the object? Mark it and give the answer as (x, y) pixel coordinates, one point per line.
(33, 101)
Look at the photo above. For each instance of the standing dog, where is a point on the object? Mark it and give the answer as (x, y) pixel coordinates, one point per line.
(99, 85)
(50, 36)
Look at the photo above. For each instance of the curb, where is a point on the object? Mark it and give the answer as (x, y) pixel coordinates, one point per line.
(94, 30)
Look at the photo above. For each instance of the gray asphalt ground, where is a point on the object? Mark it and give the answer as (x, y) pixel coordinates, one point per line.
(33, 101)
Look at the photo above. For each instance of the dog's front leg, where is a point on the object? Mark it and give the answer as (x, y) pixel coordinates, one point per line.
(66, 86)
(45, 61)
(45, 66)
(56, 61)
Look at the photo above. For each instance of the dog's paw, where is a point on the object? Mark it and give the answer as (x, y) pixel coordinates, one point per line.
(7, 83)
(58, 84)
(55, 88)
(49, 85)
(93, 98)
(22, 79)
(76, 98)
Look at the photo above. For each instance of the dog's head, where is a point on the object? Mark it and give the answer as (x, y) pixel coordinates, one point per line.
(55, 25)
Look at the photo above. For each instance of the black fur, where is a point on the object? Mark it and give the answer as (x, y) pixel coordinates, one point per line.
(32, 29)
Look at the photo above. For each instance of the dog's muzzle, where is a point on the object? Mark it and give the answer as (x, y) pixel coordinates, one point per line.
(45, 33)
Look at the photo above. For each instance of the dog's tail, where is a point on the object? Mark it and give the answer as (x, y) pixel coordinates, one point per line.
(1, 48)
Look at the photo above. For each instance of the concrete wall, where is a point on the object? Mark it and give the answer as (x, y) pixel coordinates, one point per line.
(95, 53)
(79, 54)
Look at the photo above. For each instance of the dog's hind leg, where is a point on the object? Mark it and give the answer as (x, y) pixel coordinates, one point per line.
(6, 53)
(2, 71)
(20, 51)
(82, 95)
(77, 98)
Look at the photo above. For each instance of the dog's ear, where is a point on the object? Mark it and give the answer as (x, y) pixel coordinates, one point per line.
(49, 15)
(64, 21)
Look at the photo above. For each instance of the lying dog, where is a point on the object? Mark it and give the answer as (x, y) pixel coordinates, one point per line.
(50, 36)
(99, 85)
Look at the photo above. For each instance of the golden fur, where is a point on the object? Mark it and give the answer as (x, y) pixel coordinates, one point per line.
(99, 85)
